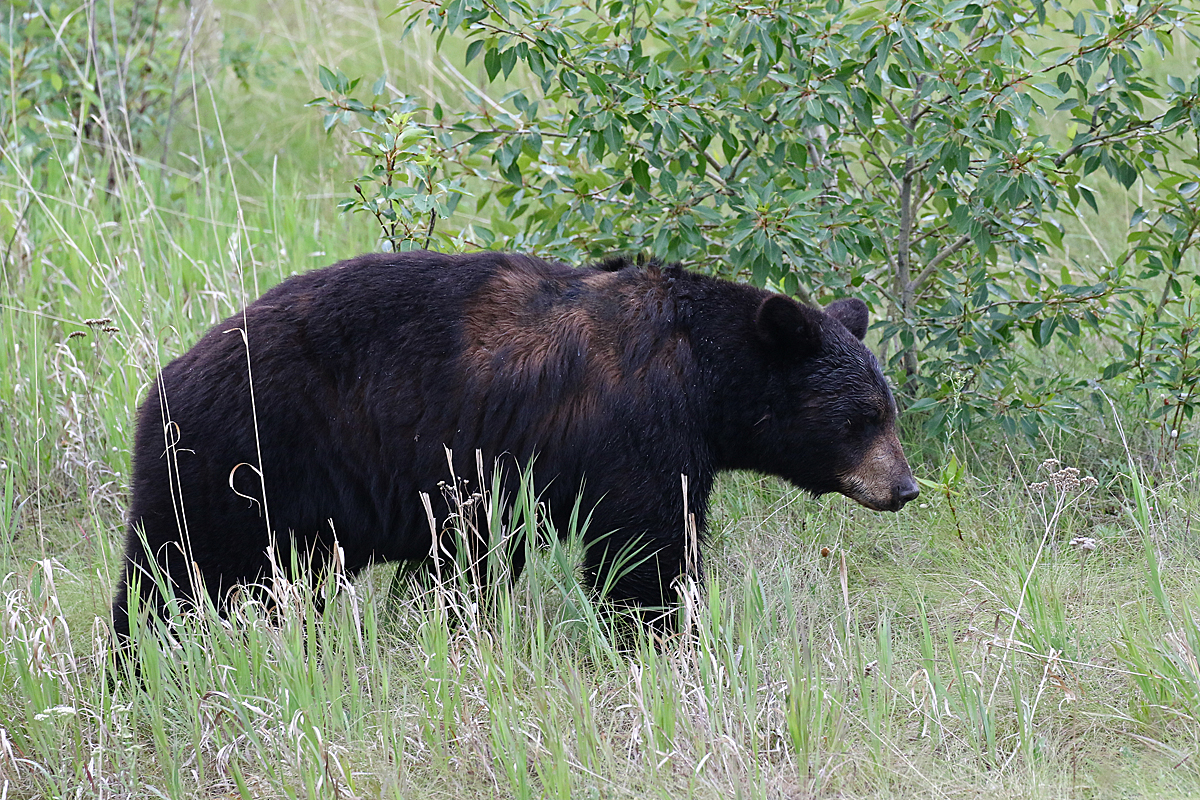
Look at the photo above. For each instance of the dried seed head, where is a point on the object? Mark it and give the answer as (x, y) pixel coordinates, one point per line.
(1066, 479)
(1085, 543)
(76, 334)
(98, 323)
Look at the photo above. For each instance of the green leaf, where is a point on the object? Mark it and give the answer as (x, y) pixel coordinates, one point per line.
(328, 80)
(1008, 52)
(1114, 369)
(508, 60)
(729, 149)
(1043, 329)
(491, 63)
(1174, 115)
(1003, 125)
(897, 77)
(473, 50)
(597, 84)
(1088, 197)
(923, 404)
(1126, 174)
(641, 174)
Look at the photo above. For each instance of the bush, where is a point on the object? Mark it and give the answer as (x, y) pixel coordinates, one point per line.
(927, 157)
(100, 79)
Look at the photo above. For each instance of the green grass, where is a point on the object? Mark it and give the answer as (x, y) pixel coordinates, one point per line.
(905, 662)
(964, 647)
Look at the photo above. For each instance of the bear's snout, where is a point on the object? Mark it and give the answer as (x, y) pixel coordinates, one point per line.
(882, 480)
(906, 492)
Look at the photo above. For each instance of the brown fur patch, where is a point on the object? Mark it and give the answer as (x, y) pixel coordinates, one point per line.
(530, 323)
(873, 482)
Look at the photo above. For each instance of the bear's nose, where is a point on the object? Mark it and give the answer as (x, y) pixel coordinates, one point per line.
(906, 491)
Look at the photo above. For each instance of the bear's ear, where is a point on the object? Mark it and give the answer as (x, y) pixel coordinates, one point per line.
(852, 313)
(782, 322)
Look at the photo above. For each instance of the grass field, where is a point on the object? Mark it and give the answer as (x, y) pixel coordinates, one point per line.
(1029, 628)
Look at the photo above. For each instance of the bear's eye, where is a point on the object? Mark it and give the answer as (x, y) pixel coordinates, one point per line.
(862, 421)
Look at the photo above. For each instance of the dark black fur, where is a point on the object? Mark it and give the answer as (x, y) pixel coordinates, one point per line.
(617, 379)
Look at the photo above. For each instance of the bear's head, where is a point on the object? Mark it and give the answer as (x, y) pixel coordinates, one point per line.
(829, 423)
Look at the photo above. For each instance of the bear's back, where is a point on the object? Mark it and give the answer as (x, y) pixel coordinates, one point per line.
(372, 368)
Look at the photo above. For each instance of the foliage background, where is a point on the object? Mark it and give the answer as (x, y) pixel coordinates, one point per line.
(928, 157)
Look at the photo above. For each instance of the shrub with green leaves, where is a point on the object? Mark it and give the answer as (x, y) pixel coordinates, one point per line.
(927, 157)
(98, 77)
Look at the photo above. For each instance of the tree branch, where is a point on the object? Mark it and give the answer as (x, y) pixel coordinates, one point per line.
(945, 253)
(1115, 137)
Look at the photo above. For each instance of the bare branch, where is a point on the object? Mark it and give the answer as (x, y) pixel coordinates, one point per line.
(429, 231)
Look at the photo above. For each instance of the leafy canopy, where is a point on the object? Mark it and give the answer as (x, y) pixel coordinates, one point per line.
(926, 156)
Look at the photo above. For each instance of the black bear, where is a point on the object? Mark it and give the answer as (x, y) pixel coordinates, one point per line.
(327, 406)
